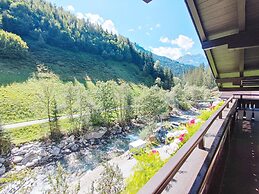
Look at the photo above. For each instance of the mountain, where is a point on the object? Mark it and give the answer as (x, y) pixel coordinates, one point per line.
(177, 67)
(37, 32)
(195, 60)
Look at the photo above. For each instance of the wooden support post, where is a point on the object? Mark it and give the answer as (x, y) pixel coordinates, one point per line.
(227, 105)
(201, 144)
(220, 115)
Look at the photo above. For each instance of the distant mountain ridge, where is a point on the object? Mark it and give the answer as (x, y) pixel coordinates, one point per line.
(195, 60)
(177, 67)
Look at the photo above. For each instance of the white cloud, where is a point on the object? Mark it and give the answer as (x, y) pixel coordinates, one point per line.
(165, 40)
(150, 28)
(147, 33)
(173, 53)
(158, 25)
(139, 27)
(109, 26)
(94, 18)
(79, 15)
(97, 19)
(70, 8)
(131, 30)
(183, 42)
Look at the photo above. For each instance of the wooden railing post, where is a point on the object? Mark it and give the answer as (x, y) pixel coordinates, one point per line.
(220, 115)
(227, 105)
(201, 144)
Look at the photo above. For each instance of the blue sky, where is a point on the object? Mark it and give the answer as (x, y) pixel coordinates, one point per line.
(162, 26)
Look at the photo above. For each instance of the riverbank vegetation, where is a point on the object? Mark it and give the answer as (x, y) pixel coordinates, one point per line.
(86, 105)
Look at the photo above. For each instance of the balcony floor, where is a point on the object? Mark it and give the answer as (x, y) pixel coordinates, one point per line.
(241, 173)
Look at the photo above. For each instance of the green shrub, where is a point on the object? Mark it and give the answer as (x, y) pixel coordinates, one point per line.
(110, 181)
(148, 163)
(60, 183)
(5, 143)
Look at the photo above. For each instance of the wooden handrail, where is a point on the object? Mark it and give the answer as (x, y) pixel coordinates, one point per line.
(205, 172)
(162, 178)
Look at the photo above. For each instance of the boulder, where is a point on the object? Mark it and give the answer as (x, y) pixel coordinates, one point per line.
(2, 170)
(2, 160)
(71, 138)
(14, 150)
(74, 148)
(96, 134)
(66, 151)
(55, 150)
(17, 159)
(117, 129)
(42, 152)
(29, 157)
(32, 163)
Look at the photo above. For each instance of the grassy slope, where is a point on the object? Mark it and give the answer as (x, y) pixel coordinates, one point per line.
(69, 65)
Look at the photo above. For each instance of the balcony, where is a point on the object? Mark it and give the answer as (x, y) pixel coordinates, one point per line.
(220, 158)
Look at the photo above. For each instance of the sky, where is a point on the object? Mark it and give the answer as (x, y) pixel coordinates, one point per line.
(162, 26)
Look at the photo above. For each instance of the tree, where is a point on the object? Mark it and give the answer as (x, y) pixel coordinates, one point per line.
(55, 132)
(125, 101)
(11, 45)
(71, 99)
(152, 102)
(105, 95)
(111, 180)
(60, 183)
(49, 83)
(5, 143)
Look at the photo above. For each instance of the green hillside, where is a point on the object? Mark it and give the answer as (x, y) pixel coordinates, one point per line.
(37, 32)
(69, 65)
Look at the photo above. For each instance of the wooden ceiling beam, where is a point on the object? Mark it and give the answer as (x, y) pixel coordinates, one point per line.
(241, 12)
(241, 40)
(236, 79)
(235, 89)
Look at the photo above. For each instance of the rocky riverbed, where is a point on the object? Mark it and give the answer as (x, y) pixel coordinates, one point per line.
(77, 155)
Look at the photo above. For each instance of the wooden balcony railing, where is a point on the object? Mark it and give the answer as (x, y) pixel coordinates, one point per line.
(162, 178)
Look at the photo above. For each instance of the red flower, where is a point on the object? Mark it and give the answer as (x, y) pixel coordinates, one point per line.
(154, 152)
(191, 122)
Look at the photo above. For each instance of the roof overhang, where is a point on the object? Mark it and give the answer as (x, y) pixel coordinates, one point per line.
(229, 34)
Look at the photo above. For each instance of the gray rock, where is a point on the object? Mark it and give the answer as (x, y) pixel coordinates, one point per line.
(41, 152)
(29, 157)
(55, 150)
(2, 170)
(17, 159)
(96, 134)
(2, 160)
(66, 151)
(75, 147)
(14, 150)
(92, 141)
(71, 138)
(32, 163)
(19, 168)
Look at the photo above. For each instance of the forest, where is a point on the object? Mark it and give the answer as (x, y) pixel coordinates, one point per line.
(29, 25)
